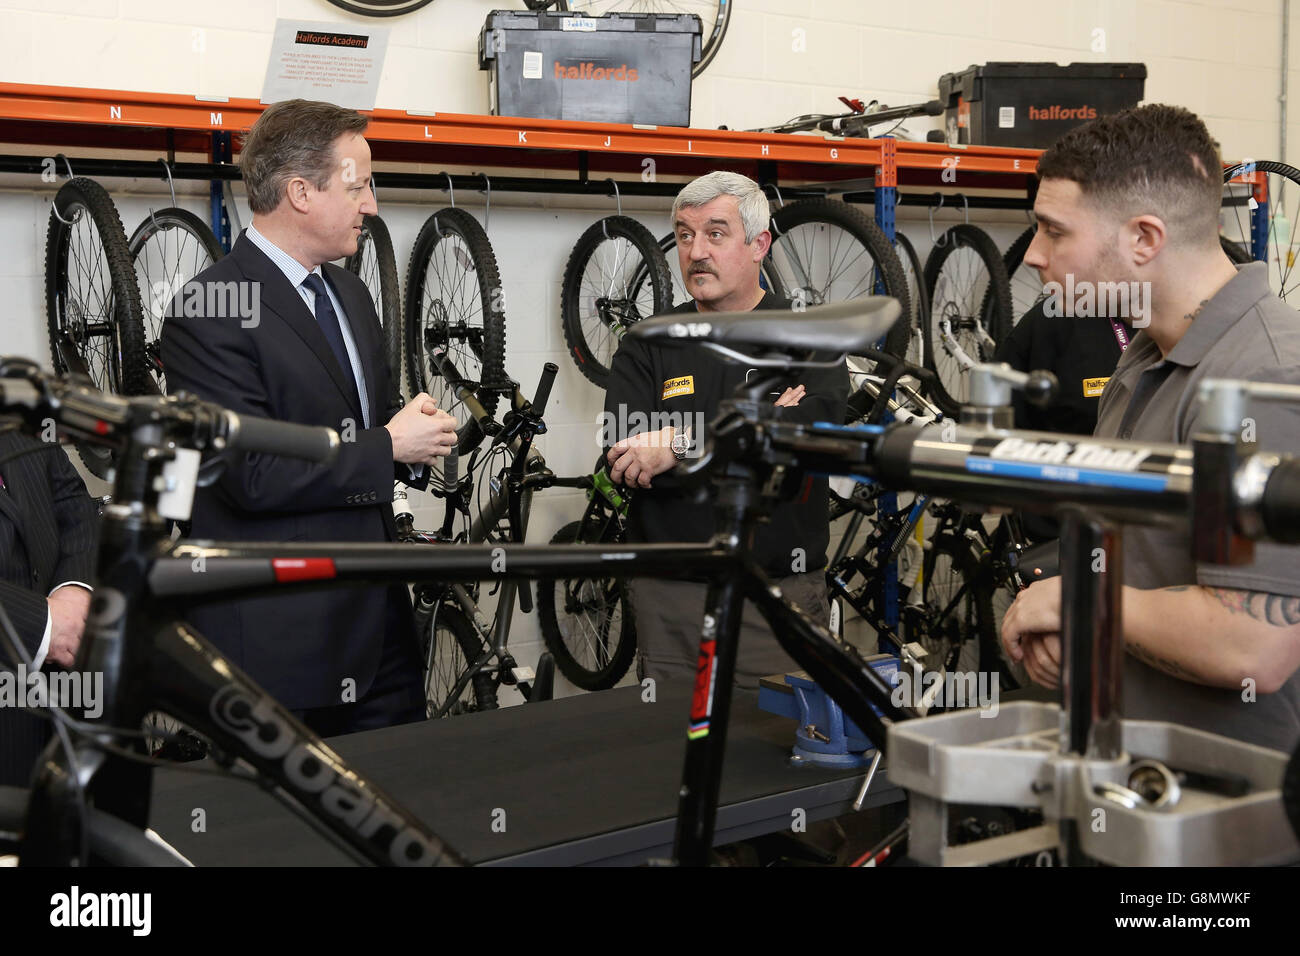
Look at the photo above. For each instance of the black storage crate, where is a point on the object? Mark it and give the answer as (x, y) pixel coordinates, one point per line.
(1032, 104)
(617, 68)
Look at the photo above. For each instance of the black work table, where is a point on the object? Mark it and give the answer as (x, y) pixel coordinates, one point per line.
(591, 779)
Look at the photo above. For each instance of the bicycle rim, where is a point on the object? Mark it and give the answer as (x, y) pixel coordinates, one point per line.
(1275, 198)
(715, 16)
(451, 634)
(454, 301)
(168, 249)
(965, 275)
(824, 250)
(615, 276)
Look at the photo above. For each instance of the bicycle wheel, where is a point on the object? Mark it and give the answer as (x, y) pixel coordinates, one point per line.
(447, 648)
(603, 295)
(92, 300)
(375, 265)
(1275, 195)
(715, 16)
(587, 623)
(954, 620)
(454, 301)
(964, 329)
(1026, 286)
(824, 250)
(168, 249)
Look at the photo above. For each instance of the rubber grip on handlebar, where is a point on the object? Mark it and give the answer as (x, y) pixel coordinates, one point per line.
(1280, 506)
(267, 436)
(543, 393)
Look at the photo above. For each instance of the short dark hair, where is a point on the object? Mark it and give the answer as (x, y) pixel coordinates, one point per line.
(293, 138)
(1154, 159)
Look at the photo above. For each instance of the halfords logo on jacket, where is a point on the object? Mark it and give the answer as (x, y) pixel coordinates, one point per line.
(590, 71)
(1058, 112)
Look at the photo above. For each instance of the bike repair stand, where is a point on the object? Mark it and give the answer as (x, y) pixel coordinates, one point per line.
(1109, 789)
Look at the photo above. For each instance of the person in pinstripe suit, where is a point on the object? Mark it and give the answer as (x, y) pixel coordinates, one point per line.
(49, 531)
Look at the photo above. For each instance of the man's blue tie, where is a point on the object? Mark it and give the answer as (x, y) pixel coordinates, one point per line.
(328, 320)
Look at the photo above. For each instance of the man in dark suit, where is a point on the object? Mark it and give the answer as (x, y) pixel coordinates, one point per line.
(48, 535)
(275, 330)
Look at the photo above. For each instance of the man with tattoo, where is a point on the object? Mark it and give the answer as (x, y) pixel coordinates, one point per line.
(1135, 198)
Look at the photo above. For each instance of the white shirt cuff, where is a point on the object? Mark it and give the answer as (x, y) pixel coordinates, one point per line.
(44, 649)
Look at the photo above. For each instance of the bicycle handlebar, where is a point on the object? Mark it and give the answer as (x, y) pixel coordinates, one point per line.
(543, 393)
(268, 436)
(83, 412)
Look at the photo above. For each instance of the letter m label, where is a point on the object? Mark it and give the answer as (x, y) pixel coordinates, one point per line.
(215, 119)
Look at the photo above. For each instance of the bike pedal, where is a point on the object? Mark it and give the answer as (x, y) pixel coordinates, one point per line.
(523, 673)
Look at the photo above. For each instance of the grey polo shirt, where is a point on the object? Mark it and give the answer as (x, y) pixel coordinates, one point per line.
(1244, 332)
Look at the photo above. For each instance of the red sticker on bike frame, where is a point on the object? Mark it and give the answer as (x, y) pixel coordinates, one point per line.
(702, 701)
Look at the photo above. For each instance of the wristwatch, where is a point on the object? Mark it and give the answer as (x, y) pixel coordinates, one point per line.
(681, 443)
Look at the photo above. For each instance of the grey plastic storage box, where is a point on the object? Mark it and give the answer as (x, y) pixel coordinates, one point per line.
(618, 68)
(1032, 104)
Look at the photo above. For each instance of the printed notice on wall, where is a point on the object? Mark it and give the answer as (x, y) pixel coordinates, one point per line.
(336, 62)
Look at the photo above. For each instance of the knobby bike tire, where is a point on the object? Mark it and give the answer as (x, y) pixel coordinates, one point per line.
(380, 277)
(478, 349)
(116, 314)
(438, 682)
(155, 299)
(575, 309)
(992, 313)
(709, 45)
(112, 842)
(920, 299)
(610, 590)
(1020, 286)
(808, 285)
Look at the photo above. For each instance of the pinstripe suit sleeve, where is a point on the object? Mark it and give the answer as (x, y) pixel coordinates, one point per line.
(29, 613)
(78, 517)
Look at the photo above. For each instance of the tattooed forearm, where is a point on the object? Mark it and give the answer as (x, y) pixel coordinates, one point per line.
(1276, 609)
(1172, 668)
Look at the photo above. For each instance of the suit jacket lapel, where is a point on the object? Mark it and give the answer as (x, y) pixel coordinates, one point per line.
(13, 472)
(356, 302)
(283, 299)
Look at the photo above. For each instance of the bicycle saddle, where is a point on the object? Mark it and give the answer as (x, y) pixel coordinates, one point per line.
(847, 327)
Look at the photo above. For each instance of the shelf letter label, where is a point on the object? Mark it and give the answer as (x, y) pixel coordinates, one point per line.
(427, 134)
(1015, 164)
(765, 149)
(115, 112)
(835, 154)
(607, 140)
(214, 119)
(689, 147)
(523, 136)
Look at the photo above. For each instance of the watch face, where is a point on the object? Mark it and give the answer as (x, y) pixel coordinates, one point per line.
(681, 445)
(380, 8)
